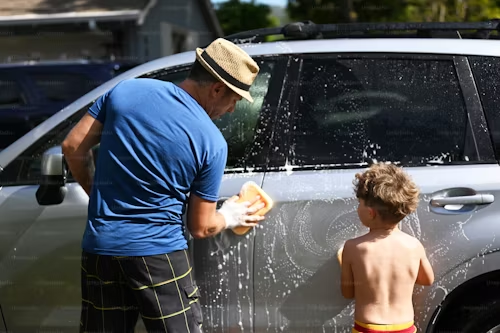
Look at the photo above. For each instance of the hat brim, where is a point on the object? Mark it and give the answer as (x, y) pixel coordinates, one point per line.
(243, 93)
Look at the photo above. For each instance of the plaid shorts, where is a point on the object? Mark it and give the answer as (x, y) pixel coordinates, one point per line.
(161, 288)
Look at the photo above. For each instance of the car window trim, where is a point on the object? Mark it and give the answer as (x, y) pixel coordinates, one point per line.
(475, 77)
(476, 116)
(277, 156)
(258, 153)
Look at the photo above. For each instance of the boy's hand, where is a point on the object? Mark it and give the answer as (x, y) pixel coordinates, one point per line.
(425, 275)
(339, 254)
(347, 278)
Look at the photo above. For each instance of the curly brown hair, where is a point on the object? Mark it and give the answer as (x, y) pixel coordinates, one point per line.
(389, 190)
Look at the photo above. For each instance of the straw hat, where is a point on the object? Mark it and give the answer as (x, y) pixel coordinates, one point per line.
(230, 64)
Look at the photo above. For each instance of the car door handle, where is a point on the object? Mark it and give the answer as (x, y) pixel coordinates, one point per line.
(476, 199)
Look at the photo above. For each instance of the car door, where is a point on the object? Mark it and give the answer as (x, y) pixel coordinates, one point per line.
(347, 111)
(224, 266)
(40, 245)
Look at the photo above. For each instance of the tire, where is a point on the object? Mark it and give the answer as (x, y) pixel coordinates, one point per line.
(486, 320)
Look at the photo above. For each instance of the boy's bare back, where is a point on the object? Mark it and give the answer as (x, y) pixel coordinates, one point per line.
(385, 267)
(381, 268)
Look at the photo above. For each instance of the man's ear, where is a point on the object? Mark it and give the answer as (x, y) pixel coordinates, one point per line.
(218, 89)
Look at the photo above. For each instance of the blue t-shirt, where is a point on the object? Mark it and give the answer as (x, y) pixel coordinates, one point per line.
(157, 145)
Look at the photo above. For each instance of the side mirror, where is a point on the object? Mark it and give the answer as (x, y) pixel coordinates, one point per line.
(52, 188)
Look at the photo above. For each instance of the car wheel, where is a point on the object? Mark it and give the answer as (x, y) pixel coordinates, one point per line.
(486, 320)
(495, 329)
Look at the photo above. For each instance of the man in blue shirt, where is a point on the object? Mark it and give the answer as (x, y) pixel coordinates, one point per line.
(159, 150)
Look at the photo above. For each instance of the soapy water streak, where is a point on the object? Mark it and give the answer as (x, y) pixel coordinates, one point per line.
(301, 245)
(308, 242)
(305, 235)
(310, 236)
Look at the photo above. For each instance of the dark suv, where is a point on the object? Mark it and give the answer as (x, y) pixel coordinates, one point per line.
(31, 92)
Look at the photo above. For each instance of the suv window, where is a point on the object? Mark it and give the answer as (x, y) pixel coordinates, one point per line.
(238, 129)
(357, 109)
(486, 72)
(10, 94)
(62, 87)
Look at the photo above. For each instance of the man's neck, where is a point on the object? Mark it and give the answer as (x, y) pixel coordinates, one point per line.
(192, 89)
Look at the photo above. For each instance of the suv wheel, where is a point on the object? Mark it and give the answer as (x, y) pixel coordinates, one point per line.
(495, 329)
(485, 321)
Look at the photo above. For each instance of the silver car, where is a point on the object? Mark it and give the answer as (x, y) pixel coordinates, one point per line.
(326, 106)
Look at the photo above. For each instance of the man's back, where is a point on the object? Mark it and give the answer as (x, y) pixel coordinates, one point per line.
(156, 140)
(385, 267)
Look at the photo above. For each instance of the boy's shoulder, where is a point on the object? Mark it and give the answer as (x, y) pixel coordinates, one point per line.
(352, 244)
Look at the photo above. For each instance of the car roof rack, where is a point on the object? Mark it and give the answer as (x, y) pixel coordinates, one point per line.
(309, 30)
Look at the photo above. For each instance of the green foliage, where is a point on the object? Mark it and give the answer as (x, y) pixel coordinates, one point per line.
(337, 11)
(236, 16)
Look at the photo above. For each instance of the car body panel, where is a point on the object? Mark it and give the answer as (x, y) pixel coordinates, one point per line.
(297, 273)
(429, 300)
(224, 270)
(40, 258)
(42, 247)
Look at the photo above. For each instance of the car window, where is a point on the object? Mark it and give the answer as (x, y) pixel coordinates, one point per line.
(11, 94)
(238, 129)
(486, 72)
(355, 110)
(25, 169)
(62, 87)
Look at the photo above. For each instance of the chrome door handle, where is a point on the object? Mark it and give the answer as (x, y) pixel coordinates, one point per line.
(476, 199)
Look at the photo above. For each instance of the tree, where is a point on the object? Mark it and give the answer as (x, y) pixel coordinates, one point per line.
(236, 16)
(337, 11)
(452, 10)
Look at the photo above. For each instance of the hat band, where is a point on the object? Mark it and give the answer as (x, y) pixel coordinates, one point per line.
(223, 74)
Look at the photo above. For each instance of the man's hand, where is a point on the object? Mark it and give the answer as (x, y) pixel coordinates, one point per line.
(238, 214)
(205, 221)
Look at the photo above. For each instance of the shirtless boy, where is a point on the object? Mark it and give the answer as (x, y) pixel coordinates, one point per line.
(380, 268)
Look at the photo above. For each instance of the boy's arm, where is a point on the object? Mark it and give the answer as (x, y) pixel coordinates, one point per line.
(425, 275)
(347, 278)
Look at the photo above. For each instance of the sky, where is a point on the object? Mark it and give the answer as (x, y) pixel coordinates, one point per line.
(267, 2)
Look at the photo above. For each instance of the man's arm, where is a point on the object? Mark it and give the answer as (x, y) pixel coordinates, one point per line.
(202, 217)
(425, 275)
(347, 278)
(77, 150)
